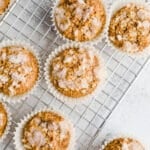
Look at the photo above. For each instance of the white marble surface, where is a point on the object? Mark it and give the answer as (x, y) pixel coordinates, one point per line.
(132, 117)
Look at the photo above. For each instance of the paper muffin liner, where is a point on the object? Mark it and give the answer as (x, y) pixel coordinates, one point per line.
(109, 138)
(20, 126)
(12, 2)
(113, 9)
(8, 122)
(21, 97)
(58, 94)
(96, 40)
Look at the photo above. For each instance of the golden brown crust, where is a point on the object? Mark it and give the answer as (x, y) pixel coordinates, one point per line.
(4, 5)
(18, 70)
(129, 28)
(74, 72)
(80, 20)
(120, 143)
(46, 131)
(3, 119)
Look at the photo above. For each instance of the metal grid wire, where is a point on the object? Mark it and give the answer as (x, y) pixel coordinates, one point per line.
(30, 20)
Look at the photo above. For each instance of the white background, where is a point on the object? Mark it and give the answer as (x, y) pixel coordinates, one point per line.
(132, 116)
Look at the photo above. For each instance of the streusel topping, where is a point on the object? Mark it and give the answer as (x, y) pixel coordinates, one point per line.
(46, 131)
(18, 70)
(3, 119)
(80, 20)
(124, 144)
(3, 5)
(129, 28)
(75, 72)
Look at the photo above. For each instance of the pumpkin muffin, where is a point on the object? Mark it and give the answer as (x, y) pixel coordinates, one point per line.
(3, 119)
(4, 5)
(76, 71)
(47, 131)
(129, 28)
(124, 144)
(80, 20)
(19, 70)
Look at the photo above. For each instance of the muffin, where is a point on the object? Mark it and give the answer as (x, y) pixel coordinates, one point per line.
(75, 71)
(4, 121)
(124, 144)
(19, 70)
(129, 29)
(80, 20)
(4, 5)
(46, 130)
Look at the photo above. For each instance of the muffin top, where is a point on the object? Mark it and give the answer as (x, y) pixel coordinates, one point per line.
(124, 144)
(80, 20)
(18, 70)
(3, 119)
(46, 131)
(4, 5)
(75, 72)
(129, 28)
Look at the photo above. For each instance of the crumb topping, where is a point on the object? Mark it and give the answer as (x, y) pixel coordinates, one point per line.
(18, 70)
(3, 5)
(3, 119)
(75, 72)
(80, 20)
(46, 131)
(129, 28)
(124, 144)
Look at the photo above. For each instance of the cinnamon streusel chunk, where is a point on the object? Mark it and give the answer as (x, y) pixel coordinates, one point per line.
(124, 144)
(3, 119)
(75, 72)
(80, 20)
(129, 28)
(18, 70)
(47, 131)
(4, 5)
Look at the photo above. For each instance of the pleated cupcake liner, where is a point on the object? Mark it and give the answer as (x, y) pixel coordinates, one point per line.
(99, 38)
(111, 137)
(58, 94)
(20, 126)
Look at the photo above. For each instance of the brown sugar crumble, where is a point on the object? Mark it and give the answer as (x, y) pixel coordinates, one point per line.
(129, 28)
(124, 144)
(18, 70)
(4, 5)
(46, 131)
(75, 72)
(80, 20)
(3, 119)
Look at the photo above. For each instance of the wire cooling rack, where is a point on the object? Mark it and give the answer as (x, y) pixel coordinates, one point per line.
(30, 20)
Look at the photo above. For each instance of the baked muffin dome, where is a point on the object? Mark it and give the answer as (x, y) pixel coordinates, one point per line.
(4, 5)
(76, 71)
(47, 130)
(124, 144)
(19, 70)
(129, 28)
(80, 20)
(3, 119)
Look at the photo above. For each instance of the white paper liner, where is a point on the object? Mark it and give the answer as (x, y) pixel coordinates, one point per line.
(20, 126)
(58, 94)
(112, 137)
(8, 122)
(12, 2)
(96, 40)
(19, 98)
(115, 6)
